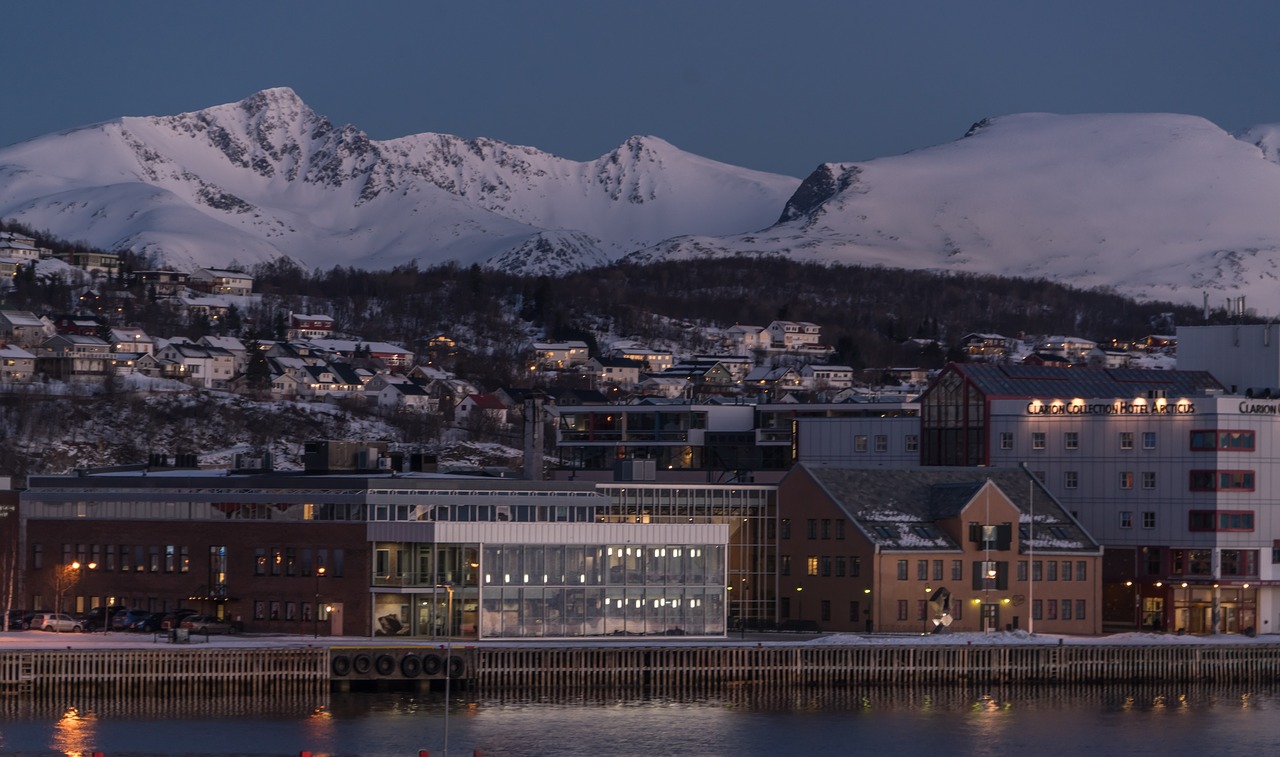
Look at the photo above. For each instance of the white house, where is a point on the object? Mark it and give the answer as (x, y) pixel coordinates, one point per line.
(794, 335)
(220, 281)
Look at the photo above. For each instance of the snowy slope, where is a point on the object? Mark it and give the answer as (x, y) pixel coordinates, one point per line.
(1157, 206)
(267, 177)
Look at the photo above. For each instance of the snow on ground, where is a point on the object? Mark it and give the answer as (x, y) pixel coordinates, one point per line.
(22, 640)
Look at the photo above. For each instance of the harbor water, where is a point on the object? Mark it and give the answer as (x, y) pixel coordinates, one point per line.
(738, 721)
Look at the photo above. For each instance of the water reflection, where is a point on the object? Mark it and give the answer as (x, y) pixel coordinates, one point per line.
(736, 720)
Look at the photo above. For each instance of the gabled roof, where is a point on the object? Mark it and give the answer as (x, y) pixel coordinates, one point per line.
(899, 508)
(1033, 381)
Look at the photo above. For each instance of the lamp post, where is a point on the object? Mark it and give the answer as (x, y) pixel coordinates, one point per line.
(319, 574)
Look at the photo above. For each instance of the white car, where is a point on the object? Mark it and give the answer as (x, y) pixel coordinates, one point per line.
(56, 621)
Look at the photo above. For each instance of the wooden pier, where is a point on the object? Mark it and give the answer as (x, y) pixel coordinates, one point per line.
(667, 668)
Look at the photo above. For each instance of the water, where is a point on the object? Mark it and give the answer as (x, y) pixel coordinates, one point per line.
(742, 722)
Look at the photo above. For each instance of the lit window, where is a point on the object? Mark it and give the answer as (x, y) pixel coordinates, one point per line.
(1126, 479)
(1126, 519)
(1037, 440)
(1148, 440)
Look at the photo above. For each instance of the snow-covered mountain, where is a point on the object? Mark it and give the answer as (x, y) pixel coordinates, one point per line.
(1157, 206)
(267, 177)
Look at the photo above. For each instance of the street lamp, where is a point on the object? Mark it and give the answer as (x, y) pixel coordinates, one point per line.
(319, 574)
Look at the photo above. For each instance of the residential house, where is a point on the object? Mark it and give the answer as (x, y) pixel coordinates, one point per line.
(21, 248)
(24, 328)
(651, 361)
(987, 347)
(743, 339)
(162, 283)
(73, 358)
(1107, 357)
(393, 356)
(326, 380)
(239, 353)
(925, 551)
(615, 371)
(131, 339)
(221, 281)
(1073, 349)
(402, 397)
(827, 377)
(303, 326)
(659, 386)
(774, 382)
(105, 263)
(79, 325)
(201, 365)
(17, 366)
(794, 335)
(480, 410)
(557, 356)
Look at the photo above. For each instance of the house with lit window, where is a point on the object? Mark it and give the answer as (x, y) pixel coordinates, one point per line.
(931, 551)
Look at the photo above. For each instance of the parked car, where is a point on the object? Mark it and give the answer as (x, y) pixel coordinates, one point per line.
(99, 617)
(56, 621)
(16, 622)
(207, 624)
(174, 618)
(123, 619)
(146, 623)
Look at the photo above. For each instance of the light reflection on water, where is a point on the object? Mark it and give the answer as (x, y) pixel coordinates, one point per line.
(742, 721)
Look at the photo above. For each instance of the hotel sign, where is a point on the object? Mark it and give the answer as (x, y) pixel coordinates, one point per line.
(1181, 407)
(1250, 407)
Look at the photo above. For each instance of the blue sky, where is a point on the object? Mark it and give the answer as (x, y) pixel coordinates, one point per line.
(773, 86)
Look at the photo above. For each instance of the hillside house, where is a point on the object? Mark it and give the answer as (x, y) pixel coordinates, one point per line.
(162, 283)
(17, 366)
(557, 356)
(393, 356)
(402, 397)
(74, 359)
(651, 361)
(239, 353)
(477, 410)
(794, 335)
(987, 347)
(1072, 348)
(21, 248)
(743, 339)
(303, 326)
(827, 377)
(615, 371)
(24, 328)
(221, 281)
(131, 339)
(200, 365)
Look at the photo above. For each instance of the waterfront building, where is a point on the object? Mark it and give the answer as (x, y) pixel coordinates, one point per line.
(411, 554)
(932, 550)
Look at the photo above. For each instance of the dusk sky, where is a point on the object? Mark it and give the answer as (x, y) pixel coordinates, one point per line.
(777, 87)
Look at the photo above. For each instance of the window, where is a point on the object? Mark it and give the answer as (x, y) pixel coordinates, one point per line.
(1071, 440)
(826, 566)
(855, 566)
(1153, 560)
(839, 529)
(1037, 570)
(902, 609)
(1066, 570)
(824, 607)
(786, 528)
(860, 443)
(1006, 440)
(1126, 440)
(989, 574)
(1037, 609)
(1149, 519)
(1079, 609)
(882, 443)
(813, 528)
(911, 443)
(1066, 609)
(1022, 570)
(957, 570)
(1126, 479)
(922, 609)
(1082, 572)
(1221, 480)
(855, 612)
(785, 568)
(902, 570)
(1148, 479)
(1225, 441)
(811, 565)
(937, 570)
(1052, 605)
(1052, 565)
(1126, 519)
(1071, 479)
(826, 528)
(1148, 440)
(1220, 520)
(922, 570)
(840, 567)
(1037, 440)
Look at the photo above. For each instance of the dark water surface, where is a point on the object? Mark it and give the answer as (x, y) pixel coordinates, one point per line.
(1039, 721)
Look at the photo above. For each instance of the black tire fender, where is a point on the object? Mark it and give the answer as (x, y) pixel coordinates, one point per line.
(457, 666)
(385, 664)
(430, 664)
(410, 666)
(341, 665)
(361, 664)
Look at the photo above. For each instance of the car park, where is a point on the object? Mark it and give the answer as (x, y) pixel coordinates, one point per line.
(16, 620)
(174, 618)
(123, 619)
(99, 617)
(56, 621)
(207, 624)
(148, 622)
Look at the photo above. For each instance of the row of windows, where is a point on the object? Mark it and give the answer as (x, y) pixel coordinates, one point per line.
(1209, 440)
(826, 566)
(1148, 519)
(1041, 570)
(1199, 480)
(123, 558)
(1047, 609)
(294, 561)
(813, 528)
(910, 443)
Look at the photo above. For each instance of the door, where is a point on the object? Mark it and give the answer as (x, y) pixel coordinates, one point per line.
(991, 617)
(335, 619)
